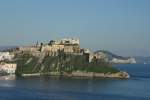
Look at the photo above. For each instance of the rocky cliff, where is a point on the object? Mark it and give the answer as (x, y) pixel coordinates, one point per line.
(63, 64)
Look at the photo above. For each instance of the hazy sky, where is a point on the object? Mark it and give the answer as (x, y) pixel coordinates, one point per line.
(121, 26)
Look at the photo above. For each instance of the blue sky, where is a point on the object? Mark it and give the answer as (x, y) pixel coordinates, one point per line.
(121, 26)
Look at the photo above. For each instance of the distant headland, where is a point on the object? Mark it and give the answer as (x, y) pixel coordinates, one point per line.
(62, 57)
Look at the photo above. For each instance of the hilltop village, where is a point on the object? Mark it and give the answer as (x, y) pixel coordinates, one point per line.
(54, 47)
(69, 46)
(59, 57)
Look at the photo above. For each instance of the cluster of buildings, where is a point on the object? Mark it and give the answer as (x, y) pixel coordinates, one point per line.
(7, 68)
(67, 45)
(6, 56)
(54, 47)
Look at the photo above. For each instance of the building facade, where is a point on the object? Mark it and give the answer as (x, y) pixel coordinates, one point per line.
(6, 56)
(9, 68)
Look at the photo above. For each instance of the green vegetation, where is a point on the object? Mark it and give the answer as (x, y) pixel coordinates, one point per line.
(25, 64)
(28, 64)
(79, 63)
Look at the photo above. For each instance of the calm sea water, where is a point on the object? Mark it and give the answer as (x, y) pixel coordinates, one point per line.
(50, 88)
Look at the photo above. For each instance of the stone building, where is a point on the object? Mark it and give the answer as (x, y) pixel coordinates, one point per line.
(68, 49)
(68, 45)
(76, 48)
(52, 49)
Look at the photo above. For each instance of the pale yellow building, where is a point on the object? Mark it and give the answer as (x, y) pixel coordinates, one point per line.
(68, 49)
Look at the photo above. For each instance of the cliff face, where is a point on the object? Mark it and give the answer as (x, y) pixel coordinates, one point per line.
(63, 63)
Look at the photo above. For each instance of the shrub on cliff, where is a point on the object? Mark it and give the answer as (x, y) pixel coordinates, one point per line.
(29, 64)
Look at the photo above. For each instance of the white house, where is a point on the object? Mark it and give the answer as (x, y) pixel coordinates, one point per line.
(6, 56)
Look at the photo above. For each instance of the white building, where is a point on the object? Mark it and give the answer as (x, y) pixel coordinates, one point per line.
(70, 41)
(86, 51)
(127, 61)
(6, 56)
(100, 55)
(8, 68)
(66, 41)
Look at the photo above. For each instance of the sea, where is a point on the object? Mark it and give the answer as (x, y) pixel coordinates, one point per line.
(137, 87)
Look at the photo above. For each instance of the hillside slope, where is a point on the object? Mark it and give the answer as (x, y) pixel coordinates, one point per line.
(67, 63)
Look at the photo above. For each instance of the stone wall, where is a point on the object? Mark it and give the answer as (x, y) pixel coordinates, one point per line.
(68, 49)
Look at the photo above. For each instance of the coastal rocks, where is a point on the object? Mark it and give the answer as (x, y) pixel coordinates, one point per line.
(42, 74)
(8, 77)
(35, 74)
(122, 75)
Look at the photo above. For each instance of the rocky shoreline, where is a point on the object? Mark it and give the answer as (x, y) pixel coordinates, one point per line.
(8, 77)
(121, 74)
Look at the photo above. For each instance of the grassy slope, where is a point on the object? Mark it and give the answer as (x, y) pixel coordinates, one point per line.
(61, 63)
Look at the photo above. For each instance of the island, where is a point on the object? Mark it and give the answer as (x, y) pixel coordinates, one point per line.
(62, 57)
